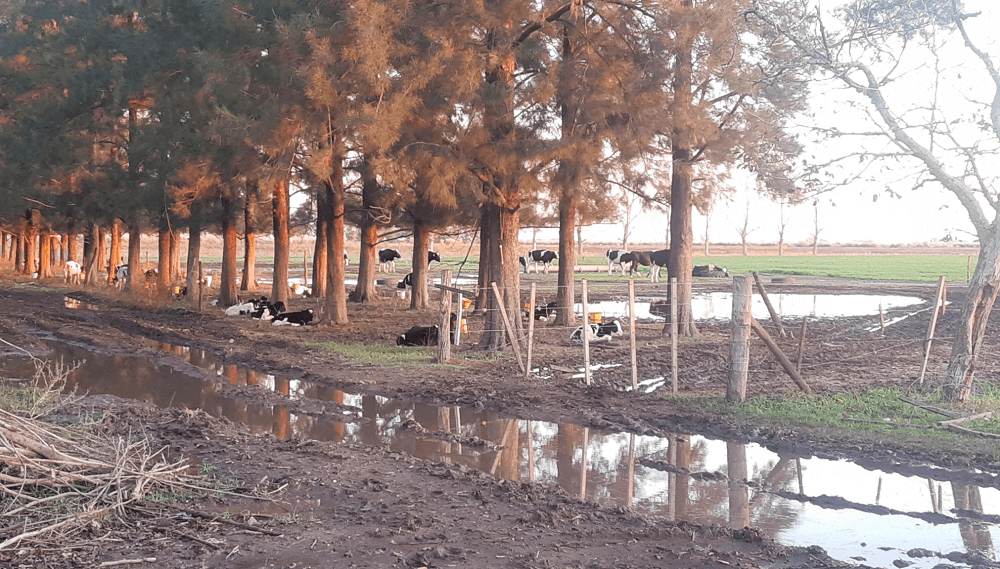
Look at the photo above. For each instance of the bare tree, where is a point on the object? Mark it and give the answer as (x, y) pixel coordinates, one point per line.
(708, 218)
(745, 230)
(782, 224)
(888, 52)
(816, 228)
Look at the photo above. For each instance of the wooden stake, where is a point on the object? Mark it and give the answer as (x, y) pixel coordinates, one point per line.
(881, 319)
(531, 330)
(586, 333)
(673, 335)
(461, 315)
(200, 279)
(782, 359)
(444, 331)
(802, 344)
(767, 302)
(631, 334)
(739, 345)
(514, 342)
(930, 330)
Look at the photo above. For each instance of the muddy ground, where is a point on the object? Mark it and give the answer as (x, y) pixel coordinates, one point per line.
(369, 507)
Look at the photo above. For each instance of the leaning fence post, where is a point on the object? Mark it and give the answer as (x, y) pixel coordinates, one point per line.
(514, 341)
(631, 334)
(444, 332)
(930, 330)
(739, 345)
(531, 329)
(802, 344)
(586, 332)
(782, 359)
(767, 302)
(673, 335)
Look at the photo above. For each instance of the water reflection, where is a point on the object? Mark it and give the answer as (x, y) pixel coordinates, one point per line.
(77, 304)
(718, 305)
(873, 512)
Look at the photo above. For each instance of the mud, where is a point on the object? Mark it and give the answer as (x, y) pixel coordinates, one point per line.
(350, 505)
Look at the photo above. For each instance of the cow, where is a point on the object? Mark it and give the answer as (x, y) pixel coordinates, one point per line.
(299, 318)
(603, 332)
(426, 335)
(72, 272)
(433, 256)
(347, 262)
(546, 311)
(406, 283)
(121, 276)
(709, 271)
(617, 256)
(267, 310)
(245, 308)
(299, 289)
(543, 256)
(387, 260)
(652, 259)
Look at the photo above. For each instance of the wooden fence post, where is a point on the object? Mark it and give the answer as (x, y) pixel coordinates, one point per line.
(461, 316)
(673, 335)
(531, 330)
(586, 332)
(631, 334)
(802, 344)
(444, 331)
(201, 278)
(739, 345)
(767, 302)
(514, 340)
(930, 330)
(782, 359)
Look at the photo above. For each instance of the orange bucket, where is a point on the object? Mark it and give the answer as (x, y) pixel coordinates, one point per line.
(466, 303)
(465, 326)
(594, 317)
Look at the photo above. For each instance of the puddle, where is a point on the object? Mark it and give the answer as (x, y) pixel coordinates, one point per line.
(872, 513)
(719, 306)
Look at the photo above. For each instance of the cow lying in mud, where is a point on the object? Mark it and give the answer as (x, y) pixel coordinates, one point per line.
(603, 332)
(426, 335)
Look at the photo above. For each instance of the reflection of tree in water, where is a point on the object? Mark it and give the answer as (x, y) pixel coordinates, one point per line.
(975, 534)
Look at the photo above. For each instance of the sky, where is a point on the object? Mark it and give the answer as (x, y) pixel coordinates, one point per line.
(863, 211)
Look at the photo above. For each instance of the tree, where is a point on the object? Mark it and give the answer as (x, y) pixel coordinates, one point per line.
(745, 230)
(941, 137)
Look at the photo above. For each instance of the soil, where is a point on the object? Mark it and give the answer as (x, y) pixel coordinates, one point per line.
(346, 505)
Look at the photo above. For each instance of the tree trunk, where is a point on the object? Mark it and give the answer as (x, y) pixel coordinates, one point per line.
(249, 279)
(681, 260)
(482, 285)
(566, 291)
(336, 295)
(114, 257)
(44, 256)
(279, 218)
(19, 256)
(69, 240)
(134, 252)
(971, 329)
(502, 225)
(31, 250)
(91, 255)
(227, 280)
(163, 276)
(194, 255)
(419, 298)
(366, 291)
(320, 256)
(175, 255)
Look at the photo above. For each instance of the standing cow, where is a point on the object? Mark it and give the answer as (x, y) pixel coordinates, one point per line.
(617, 257)
(72, 272)
(652, 259)
(387, 260)
(536, 257)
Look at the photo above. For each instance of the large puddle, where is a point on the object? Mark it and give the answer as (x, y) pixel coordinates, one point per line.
(869, 513)
(718, 306)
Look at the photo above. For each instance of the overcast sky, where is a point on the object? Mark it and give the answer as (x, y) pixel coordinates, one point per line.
(864, 211)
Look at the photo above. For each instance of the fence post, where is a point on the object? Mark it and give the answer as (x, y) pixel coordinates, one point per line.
(802, 343)
(631, 334)
(514, 341)
(930, 329)
(586, 332)
(767, 302)
(739, 344)
(201, 278)
(458, 325)
(531, 330)
(444, 331)
(673, 335)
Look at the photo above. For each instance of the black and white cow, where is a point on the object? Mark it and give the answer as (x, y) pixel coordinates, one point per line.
(709, 271)
(603, 332)
(387, 260)
(545, 311)
(652, 259)
(406, 283)
(72, 272)
(245, 308)
(121, 276)
(433, 256)
(299, 318)
(267, 310)
(617, 257)
(426, 335)
(538, 256)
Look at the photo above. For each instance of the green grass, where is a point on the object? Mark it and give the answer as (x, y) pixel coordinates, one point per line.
(874, 411)
(871, 267)
(384, 356)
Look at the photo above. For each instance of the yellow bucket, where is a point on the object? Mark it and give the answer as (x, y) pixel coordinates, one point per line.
(466, 303)
(594, 317)
(465, 326)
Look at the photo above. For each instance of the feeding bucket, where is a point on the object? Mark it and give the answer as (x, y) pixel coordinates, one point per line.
(466, 303)
(401, 293)
(594, 317)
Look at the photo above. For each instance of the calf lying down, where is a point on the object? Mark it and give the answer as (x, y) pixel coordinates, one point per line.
(603, 332)
(426, 335)
(299, 318)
